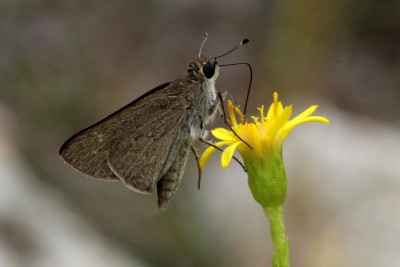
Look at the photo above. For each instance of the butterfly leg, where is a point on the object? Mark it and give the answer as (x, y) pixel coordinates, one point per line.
(196, 156)
(221, 99)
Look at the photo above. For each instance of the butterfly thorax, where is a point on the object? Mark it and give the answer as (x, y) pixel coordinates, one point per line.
(203, 72)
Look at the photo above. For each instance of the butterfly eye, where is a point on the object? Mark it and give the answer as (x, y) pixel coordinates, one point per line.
(208, 70)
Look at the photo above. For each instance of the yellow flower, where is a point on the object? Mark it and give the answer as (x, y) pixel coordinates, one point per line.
(259, 136)
(259, 142)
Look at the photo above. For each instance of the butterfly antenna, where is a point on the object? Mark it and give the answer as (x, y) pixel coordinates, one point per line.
(203, 42)
(245, 41)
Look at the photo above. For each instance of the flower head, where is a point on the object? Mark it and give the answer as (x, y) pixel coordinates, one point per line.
(259, 136)
(259, 142)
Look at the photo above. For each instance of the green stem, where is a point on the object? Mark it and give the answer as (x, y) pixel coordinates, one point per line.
(267, 182)
(280, 258)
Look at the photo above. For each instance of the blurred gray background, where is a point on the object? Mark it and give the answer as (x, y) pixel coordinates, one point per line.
(66, 64)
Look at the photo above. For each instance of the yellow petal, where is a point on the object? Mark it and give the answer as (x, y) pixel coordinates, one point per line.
(252, 135)
(206, 156)
(306, 112)
(231, 113)
(224, 134)
(281, 120)
(293, 123)
(317, 119)
(227, 154)
(275, 109)
(305, 117)
(209, 152)
(270, 113)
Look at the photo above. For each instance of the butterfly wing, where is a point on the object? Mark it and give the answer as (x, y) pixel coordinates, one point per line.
(136, 144)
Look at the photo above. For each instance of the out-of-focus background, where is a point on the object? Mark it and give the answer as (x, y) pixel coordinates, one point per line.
(66, 64)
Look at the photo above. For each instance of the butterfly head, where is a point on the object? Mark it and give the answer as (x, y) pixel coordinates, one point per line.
(203, 69)
(206, 69)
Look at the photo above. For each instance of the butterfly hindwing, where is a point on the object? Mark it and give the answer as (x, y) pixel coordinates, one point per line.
(142, 157)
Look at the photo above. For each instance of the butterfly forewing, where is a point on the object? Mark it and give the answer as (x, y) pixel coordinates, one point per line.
(129, 146)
